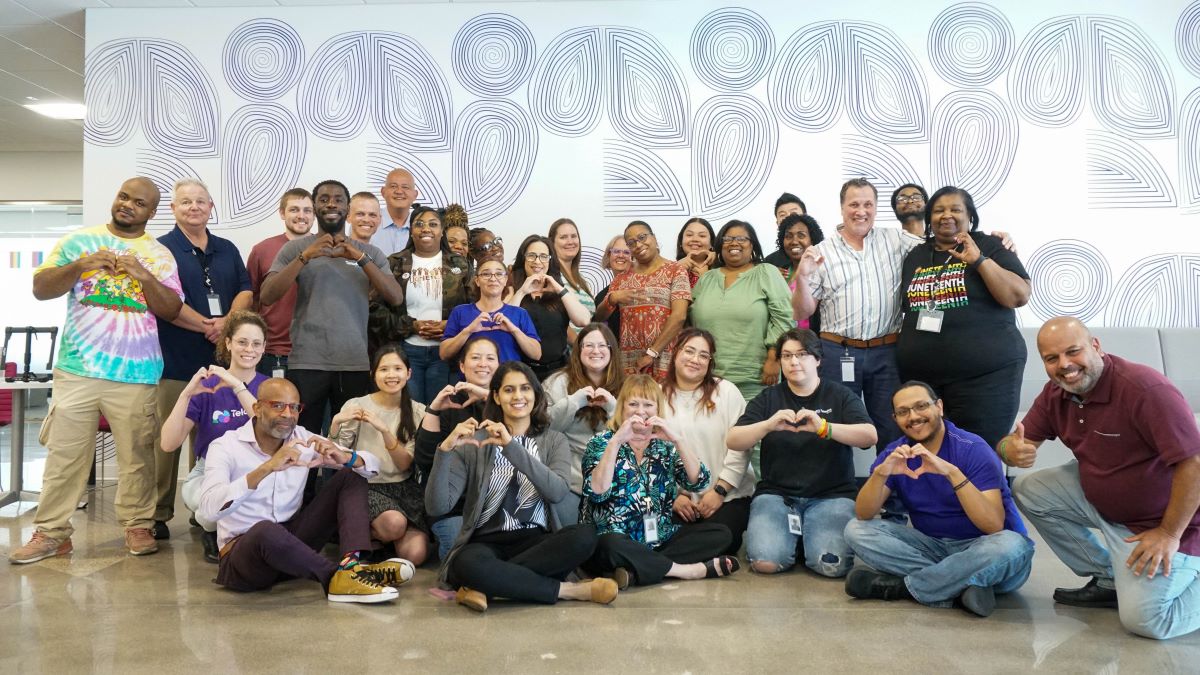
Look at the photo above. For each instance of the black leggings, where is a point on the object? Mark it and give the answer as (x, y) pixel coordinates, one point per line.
(523, 565)
(692, 543)
(318, 387)
(734, 514)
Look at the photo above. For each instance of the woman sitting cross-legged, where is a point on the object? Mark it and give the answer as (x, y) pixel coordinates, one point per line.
(631, 476)
(384, 423)
(512, 470)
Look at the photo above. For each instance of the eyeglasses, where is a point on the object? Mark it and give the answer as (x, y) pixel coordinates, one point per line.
(917, 408)
(695, 354)
(787, 356)
(596, 346)
(256, 344)
(737, 239)
(537, 257)
(280, 406)
(492, 275)
(495, 243)
(640, 239)
(909, 199)
(624, 252)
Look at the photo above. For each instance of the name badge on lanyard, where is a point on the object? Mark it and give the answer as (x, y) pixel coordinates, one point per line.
(214, 304)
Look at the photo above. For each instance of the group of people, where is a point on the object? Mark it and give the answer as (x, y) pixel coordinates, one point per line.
(394, 380)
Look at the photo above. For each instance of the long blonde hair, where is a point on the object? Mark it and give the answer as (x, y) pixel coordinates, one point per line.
(637, 386)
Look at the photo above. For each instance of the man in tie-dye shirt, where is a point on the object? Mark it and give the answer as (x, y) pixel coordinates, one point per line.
(117, 279)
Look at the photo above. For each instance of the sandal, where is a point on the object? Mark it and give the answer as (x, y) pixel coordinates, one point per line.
(728, 565)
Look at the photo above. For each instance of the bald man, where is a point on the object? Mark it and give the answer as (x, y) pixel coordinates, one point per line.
(1135, 479)
(399, 192)
(117, 279)
(253, 489)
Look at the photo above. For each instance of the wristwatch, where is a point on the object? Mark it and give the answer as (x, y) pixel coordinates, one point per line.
(720, 489)
(362, 260)
(651, 353)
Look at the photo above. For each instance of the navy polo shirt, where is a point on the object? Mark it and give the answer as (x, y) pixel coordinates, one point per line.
(184, 351)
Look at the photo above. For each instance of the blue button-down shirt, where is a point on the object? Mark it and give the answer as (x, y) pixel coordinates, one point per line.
(391, 238)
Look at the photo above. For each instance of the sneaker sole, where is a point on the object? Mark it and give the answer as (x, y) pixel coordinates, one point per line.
(365, 599)
(26, 561)
(149, 551)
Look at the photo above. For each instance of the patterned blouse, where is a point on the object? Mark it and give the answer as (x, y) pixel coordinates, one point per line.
(642, 323)
(636, 489)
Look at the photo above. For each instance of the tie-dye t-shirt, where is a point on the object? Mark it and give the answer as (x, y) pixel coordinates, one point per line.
(110, 332)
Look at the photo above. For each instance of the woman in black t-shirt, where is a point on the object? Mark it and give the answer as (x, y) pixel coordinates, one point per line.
(553, 308)
(959, 291)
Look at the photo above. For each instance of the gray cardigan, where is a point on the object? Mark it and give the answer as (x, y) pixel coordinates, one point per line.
(467, 468)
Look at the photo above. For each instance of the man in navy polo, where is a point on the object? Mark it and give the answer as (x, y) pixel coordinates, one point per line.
(214, 282)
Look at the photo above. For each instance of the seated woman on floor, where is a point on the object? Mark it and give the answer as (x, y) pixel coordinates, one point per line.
(631, 477)
(512, 470)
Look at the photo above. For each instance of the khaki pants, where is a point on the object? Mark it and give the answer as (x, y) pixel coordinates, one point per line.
(69, 434)
(166, 464)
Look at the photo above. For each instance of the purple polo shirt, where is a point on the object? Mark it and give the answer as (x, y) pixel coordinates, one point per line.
(930, 499)
(218, 412)
(1133, 427)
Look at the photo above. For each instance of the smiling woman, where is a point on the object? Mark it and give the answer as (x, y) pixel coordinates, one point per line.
(539, 290)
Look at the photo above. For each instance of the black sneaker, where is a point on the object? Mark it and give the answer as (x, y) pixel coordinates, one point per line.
(1091, 595)
(211, 553)
(160, 530)
(871, 585)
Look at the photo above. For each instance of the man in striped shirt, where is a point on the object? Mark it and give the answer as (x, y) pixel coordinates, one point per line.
(855, 275)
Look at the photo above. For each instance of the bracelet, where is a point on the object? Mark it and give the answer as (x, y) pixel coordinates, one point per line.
(240, 390)
(1000, 449)
(563, 293)
(360, 262)
(353, 459)
(651, 353)
(978, 261)
(302, 259)
(823, 431)
(964, 482)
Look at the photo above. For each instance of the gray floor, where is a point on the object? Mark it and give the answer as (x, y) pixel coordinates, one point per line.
(101, 610)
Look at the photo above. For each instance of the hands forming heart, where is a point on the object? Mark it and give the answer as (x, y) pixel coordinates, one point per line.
(897, 463)
(598, 397)
(795, 420)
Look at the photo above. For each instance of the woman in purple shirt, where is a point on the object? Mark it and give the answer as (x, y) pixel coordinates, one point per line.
(216, 400)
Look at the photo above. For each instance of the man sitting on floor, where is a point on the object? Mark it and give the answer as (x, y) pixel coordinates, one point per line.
(1135, 479)
(253, 486)
(967, 540)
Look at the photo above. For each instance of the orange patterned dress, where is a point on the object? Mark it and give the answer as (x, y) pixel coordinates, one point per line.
(642, 323)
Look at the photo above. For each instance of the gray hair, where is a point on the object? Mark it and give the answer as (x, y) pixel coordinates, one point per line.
(190, 182)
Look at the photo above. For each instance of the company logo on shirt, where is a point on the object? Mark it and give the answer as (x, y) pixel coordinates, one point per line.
(223, 416)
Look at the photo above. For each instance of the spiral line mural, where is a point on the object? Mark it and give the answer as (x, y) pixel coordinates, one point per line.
(647, 95)
(970, 44)
(494, 152)
(112, 73)
(1160, 290)
(878, 162)
(731, 49)
(733, 149)
(181, 113)
(1072, 278)
(493, 54)
(382, 158)
(263, 153)
(1048, 76)
(805, 86)
(638, 183)
(1187, 37)
(1122, 173)
(1189, 151)
(333, 95)
(1132, 92)
(964, 123)
(165, 171)
(566, 92)
(263, 59)
(886, 94)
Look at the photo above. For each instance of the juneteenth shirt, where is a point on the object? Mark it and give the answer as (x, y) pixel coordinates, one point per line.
(978, 336)
(109, 332)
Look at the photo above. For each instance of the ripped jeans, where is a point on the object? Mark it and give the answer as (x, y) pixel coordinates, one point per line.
(823, 522)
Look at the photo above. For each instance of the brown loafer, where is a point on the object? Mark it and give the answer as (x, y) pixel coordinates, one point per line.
(471, 599)
(622, 577)
(604, 590)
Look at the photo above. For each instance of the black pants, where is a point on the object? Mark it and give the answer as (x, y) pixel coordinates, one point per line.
(734, 514)
(692, 543)
(269, 362)
(523, 565)
(985, 405)
(319, 387)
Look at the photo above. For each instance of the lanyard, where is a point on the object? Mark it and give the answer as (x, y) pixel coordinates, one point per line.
(931, 302)
(205, 261)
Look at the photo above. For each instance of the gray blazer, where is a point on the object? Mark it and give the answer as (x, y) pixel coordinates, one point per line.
(467, 468)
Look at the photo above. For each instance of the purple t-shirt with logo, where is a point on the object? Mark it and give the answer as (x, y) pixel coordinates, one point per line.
(218, 412)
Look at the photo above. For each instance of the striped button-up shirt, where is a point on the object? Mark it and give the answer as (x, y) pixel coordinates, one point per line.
(859, 291)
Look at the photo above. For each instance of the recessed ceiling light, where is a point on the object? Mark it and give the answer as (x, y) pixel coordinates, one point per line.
(59, 111)
(31, 98)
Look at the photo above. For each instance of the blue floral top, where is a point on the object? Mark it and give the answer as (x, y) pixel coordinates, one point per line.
(636, 490)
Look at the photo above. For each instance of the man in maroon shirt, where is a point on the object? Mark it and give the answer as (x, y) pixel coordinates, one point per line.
(1135, 479)
(296, 212)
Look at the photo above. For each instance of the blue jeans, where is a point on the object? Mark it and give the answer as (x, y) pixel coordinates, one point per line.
(446, 531)
(1160, 608)
(938, 570)
(429, 372)
(876, 378)
(769, 539)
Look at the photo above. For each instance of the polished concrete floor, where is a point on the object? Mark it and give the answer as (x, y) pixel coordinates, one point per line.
(102, 610)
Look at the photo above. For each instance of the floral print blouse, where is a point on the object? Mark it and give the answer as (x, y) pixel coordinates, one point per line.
(636, 490)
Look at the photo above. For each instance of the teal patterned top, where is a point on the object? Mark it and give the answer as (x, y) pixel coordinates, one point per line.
(636, 489)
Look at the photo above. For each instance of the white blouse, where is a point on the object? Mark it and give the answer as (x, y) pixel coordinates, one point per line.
(704, 433)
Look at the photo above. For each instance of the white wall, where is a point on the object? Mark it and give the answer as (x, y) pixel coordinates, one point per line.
(1075, 123)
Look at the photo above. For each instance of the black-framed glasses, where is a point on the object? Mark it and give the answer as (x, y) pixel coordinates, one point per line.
(492, 275)
(280, 406)
(640, 239)
(498, 242)
(787, 356)
(537, 257)
(916, 408)
(735, 239)
(910, 199)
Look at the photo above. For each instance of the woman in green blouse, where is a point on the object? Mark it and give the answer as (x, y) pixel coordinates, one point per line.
(746, 305)
(631, 477)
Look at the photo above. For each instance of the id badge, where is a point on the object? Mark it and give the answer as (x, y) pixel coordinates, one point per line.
(795, 524)
(930, 320)
(214, 305)
(847, 369)
(650, 524)
(278, 372)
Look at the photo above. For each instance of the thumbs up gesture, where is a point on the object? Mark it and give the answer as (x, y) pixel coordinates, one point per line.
(1016, 450)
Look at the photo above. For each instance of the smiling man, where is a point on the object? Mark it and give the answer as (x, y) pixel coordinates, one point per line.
(334, 277)
(118, 281)
(967, 540)
(807, 426)
(1135, 479)
(364, 216)
(399, 192)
